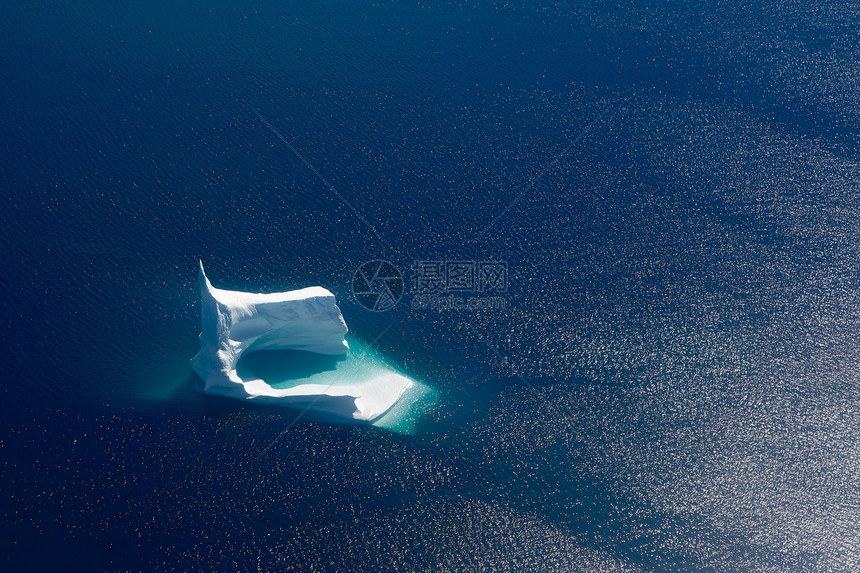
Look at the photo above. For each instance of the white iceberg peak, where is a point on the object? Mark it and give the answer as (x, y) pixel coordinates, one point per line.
(236, 323)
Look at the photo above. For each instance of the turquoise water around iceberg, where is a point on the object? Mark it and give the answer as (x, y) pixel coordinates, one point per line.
(360, 366)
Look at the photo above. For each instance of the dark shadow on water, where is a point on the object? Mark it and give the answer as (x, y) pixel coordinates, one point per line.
(279, 366)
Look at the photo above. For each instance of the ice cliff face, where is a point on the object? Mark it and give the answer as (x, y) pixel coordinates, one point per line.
(235, 323)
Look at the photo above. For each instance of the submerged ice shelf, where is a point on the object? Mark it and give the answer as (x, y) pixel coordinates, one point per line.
(295, 354)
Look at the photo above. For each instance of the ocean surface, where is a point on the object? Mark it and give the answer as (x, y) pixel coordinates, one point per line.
(670, 380)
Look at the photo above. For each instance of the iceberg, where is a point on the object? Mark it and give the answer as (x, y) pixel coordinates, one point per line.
(289, 327)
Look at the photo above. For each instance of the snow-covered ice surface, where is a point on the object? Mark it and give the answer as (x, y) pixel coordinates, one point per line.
(295, 355)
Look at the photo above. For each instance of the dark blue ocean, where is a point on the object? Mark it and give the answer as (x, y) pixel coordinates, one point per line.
(670, 383)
